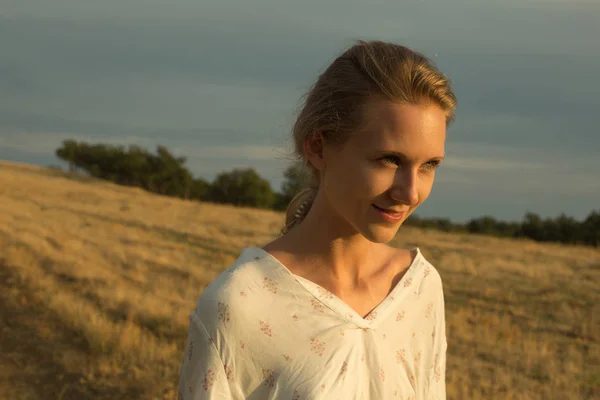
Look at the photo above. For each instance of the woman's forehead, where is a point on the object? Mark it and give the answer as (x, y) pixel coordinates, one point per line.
(403, 126)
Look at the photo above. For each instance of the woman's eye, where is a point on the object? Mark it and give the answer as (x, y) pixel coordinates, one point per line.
(391, 160)
(432, 165)
(395, 161)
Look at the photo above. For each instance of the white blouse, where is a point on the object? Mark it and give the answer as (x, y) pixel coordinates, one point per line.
(260, 332)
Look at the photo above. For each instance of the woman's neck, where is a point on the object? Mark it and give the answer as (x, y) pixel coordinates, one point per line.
(325, 243)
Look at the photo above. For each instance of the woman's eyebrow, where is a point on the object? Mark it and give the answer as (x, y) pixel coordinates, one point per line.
(403, 157)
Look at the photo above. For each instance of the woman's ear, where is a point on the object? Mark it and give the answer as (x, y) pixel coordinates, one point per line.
(313, 149)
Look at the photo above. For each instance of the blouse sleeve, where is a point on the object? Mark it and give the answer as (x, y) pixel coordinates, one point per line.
(202, 375)
(437, 378)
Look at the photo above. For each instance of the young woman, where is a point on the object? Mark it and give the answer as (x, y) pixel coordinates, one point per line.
(328, 310)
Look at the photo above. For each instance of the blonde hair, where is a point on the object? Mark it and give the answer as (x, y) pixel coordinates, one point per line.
(333, 107)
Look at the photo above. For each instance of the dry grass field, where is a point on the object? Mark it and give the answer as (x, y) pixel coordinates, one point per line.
(97, 280)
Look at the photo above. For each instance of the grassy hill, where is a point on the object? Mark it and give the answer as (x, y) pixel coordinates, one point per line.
(97, 280)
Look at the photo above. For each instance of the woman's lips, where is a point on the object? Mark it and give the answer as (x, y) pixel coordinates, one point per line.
(390, 216)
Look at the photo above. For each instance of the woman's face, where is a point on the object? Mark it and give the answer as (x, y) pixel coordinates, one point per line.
(387, 166)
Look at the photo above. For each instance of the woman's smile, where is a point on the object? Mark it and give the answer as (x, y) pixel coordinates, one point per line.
(388, 215)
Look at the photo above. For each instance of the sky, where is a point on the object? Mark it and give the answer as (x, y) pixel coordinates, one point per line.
(220, 83)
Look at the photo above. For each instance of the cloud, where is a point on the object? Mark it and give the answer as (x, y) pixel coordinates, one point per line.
(47, 143)
(506, 171)
(236, 152)
(219, 82)
(483, 164)
(471, 23)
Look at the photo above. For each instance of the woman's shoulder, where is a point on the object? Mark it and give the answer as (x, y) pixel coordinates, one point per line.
(422, 270)
(245, 270)
(235, 290)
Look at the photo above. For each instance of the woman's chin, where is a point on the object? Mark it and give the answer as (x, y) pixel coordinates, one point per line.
(380, 234)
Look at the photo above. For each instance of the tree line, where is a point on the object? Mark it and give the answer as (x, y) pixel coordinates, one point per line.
(165, 174)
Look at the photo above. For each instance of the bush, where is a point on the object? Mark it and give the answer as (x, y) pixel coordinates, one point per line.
(241, 187)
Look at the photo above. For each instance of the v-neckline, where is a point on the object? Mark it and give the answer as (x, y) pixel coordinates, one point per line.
(340, 307)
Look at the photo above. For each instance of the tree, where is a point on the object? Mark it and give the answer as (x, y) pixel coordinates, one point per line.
(566, 230)
(591, 229)
(241, 187)
(169, 176)
(199, 189)
(296, 178)
(532, 227)
(483, 225)
(162, 173)
(68, 152)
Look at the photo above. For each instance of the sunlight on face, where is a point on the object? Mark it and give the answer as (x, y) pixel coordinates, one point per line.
(386, 168)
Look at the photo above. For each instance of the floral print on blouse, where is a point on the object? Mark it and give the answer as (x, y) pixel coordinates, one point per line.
(260, 332)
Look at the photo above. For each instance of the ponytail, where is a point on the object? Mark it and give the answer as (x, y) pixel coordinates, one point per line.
(298, 208)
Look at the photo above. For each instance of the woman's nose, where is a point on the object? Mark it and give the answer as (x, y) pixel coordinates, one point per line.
(405, 188)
